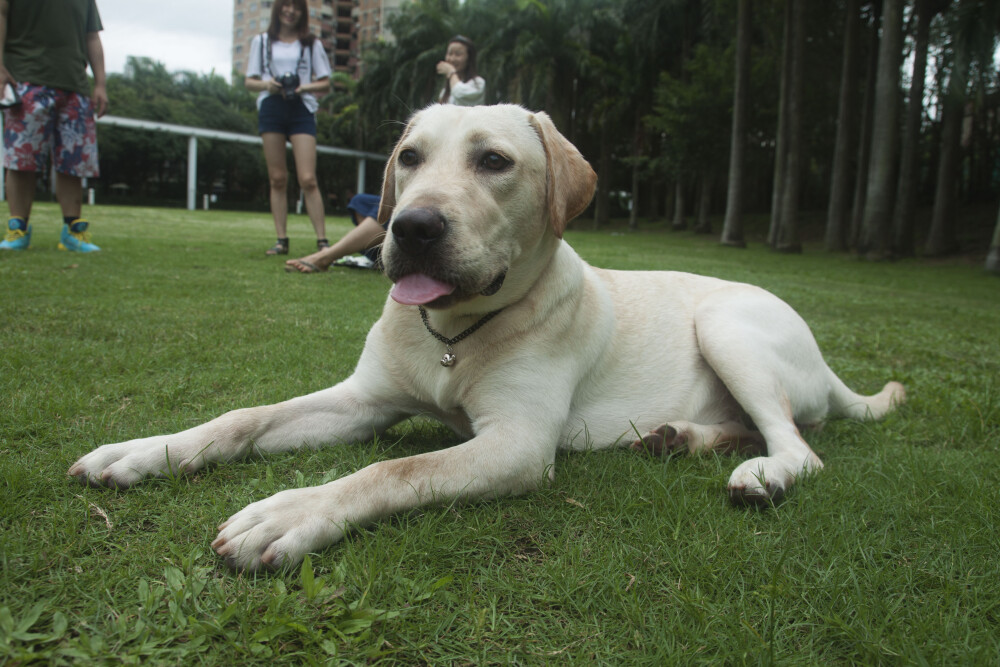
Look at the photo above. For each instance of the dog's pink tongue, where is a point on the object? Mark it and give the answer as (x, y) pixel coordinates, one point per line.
(417, 289)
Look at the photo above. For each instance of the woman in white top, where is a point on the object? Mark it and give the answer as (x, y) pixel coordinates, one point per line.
(463, 87)
(289, 68)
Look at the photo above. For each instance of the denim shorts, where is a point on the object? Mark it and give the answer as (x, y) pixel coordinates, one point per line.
(51, 121)
(366, 206)
(285, 117)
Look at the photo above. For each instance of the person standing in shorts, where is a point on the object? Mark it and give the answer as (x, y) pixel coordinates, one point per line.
(45, 46)
(289, 68)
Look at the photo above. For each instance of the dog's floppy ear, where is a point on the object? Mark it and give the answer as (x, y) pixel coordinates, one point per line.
(569, 180)
(388, 201)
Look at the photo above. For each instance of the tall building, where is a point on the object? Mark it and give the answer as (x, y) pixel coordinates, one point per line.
(340, 23)
(371, 25)
(346, 27)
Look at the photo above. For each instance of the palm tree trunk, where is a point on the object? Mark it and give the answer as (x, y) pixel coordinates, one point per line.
(680, 222)
(993, 258)
(865, 139)
(837, 219)
(876, 225)
(788, 232)
(906, 192)
(633, 216)
(656, 185)
(942, 239)
(732, 227)
(704, 225)
(781, 136)
(603, 176)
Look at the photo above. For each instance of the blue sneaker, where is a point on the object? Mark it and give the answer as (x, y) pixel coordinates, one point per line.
(76, 238)
(18, 235)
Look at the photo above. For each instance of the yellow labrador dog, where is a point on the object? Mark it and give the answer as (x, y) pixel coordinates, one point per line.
(497, 328)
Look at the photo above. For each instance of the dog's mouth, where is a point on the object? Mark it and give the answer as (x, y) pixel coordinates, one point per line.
(419, 289)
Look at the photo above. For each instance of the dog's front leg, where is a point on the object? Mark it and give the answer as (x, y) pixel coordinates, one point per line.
(348, 412)
(281, 529)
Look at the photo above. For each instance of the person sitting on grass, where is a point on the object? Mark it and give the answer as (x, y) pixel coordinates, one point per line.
(366, 238)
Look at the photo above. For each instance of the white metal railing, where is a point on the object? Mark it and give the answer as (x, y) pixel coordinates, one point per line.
(195, 133)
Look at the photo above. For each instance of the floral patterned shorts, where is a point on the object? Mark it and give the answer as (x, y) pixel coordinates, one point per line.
(50, 120)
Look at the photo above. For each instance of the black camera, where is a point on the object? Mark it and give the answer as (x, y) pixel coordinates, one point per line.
(289, 81)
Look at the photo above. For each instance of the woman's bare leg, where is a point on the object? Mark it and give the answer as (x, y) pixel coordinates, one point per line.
(304, 151)
(367, 234)
(277, 174)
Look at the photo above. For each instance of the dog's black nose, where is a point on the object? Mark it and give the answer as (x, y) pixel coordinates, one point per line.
(416, 228)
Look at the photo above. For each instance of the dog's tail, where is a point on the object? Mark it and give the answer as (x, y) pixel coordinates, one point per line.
(845, 402)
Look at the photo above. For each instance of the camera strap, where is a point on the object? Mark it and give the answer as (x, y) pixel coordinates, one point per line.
(267, 61)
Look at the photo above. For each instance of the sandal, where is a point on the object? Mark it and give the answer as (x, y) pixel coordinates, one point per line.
(279, 248)
(321, 244)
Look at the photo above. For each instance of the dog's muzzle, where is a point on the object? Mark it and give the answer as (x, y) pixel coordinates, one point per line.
(420, 268)
(494, 286)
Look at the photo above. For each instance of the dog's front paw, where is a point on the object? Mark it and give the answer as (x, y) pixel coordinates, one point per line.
(122, 464)
(756, 494)
(279, 531)
(119, 465)
(762, 481)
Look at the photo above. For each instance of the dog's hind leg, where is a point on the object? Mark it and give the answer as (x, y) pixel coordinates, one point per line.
(725, 438)
(767, 358)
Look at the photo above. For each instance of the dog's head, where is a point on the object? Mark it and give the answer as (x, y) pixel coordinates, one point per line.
(472, 194)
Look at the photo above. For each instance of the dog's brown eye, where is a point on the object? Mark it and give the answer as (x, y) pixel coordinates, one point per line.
(408, 158)
(494, 162)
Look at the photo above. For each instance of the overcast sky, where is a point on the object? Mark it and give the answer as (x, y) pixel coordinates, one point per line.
(190, 35)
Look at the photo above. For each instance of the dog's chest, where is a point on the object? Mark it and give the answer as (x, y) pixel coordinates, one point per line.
(440, 391)
(436, 383)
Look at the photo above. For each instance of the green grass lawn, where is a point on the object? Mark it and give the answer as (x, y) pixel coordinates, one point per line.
(890, 555)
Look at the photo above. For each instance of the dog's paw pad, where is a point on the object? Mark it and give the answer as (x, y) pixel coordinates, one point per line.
(660, 441)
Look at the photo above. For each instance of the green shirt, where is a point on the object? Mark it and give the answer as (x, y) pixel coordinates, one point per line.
(46, 42)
